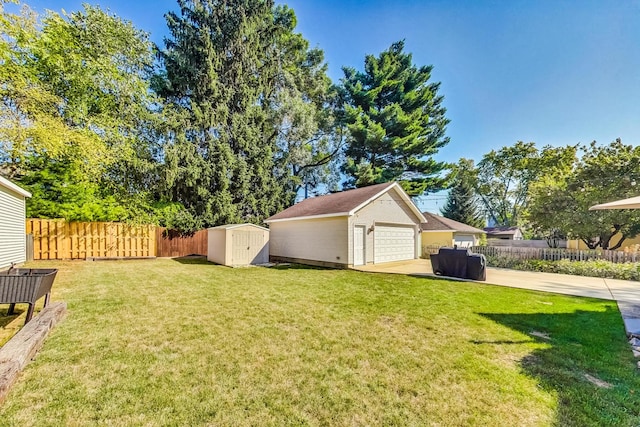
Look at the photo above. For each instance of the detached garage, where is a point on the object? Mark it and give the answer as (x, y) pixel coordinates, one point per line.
(440, 231)
(372, 224)
(12, 223)
(238, 245)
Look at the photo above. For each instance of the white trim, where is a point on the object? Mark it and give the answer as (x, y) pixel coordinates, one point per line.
(297, 218)
(393, 224)
(13, 187)
(454, 231)
(402, 193)
(232, 226)
(364, 244)
(352, 212)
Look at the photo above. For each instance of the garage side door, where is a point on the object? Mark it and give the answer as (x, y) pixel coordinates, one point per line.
(393, 243)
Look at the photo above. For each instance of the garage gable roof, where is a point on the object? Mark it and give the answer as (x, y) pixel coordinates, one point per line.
(344, 203)
(440, 223)
(14, 188)
(502, 231)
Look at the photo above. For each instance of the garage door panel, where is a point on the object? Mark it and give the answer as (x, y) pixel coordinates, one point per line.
(394, 243)
(463, 240)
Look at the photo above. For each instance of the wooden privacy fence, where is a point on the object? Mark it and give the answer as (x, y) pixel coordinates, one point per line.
(550, 254)
(170, 243)
(58, 239)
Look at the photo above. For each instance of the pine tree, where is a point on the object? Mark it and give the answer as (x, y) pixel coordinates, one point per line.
(397, 123)
(220, 79)
(462, 206)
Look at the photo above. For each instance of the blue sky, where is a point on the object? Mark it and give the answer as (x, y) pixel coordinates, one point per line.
(550, 71)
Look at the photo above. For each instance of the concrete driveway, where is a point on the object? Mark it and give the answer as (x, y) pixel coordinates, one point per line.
(625, 293)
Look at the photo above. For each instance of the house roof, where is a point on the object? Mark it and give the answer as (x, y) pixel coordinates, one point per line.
(11, 186)
(502, 231)
(440, 223)
(344, 203)
(231, 226)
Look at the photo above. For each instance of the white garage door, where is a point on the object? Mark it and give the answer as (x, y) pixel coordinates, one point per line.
(463, 240)
(393, 243)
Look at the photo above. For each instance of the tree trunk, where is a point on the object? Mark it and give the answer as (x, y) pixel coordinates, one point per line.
(617, 245)
(590, 244)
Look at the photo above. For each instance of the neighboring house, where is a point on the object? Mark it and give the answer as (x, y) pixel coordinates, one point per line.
(442, 231)
(503, 233)
(237, 245)
(373, 224)
(12, 223)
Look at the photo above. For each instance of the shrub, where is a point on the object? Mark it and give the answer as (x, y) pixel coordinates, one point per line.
(592, 268)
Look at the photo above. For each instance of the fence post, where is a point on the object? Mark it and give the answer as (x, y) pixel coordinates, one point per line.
(29, 247)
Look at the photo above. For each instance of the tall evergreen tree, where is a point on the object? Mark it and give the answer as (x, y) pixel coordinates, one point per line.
(397, 123)
(221, 77)
(462, 206)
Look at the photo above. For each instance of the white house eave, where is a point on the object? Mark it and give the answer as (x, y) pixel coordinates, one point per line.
(11, 186)
(402, 193)
(298, 218)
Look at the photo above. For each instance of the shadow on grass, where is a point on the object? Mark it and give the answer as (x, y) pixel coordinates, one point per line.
(193, 259)
(7, 319)
(202, 260)
(583, 347)
(288, 266)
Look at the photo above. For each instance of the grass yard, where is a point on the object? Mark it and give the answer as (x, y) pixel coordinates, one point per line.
(163, 342)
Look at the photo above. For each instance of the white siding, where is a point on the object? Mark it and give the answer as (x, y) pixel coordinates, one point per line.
(238, 245)
(323, 239)
(389, 208)
(216, 248)
(12, 228)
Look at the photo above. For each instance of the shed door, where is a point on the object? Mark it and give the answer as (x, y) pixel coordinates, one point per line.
(256, 243)
(240, 247)
(393, 243)
(358, 245)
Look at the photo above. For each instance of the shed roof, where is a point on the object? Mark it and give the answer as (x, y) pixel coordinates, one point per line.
(13, 187)
(344, 203)
(440, 223)
(231, 226)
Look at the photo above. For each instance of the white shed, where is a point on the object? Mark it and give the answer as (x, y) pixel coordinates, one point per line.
(12, 223)
(238, 244)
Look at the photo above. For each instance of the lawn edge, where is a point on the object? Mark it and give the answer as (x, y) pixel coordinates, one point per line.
(24, 345)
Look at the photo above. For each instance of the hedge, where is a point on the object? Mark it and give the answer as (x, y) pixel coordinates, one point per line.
(592, 268)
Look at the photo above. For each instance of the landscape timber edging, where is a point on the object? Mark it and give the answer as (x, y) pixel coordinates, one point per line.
(24, 345)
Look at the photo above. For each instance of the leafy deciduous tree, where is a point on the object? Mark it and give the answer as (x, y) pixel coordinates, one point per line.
(76, 113)
(502, 178)
(561, 198)
(310, 135)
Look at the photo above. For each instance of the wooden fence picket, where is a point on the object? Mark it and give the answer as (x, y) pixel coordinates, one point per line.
(58, 239)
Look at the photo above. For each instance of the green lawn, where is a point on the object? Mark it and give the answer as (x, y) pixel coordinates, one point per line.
(162, 342)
